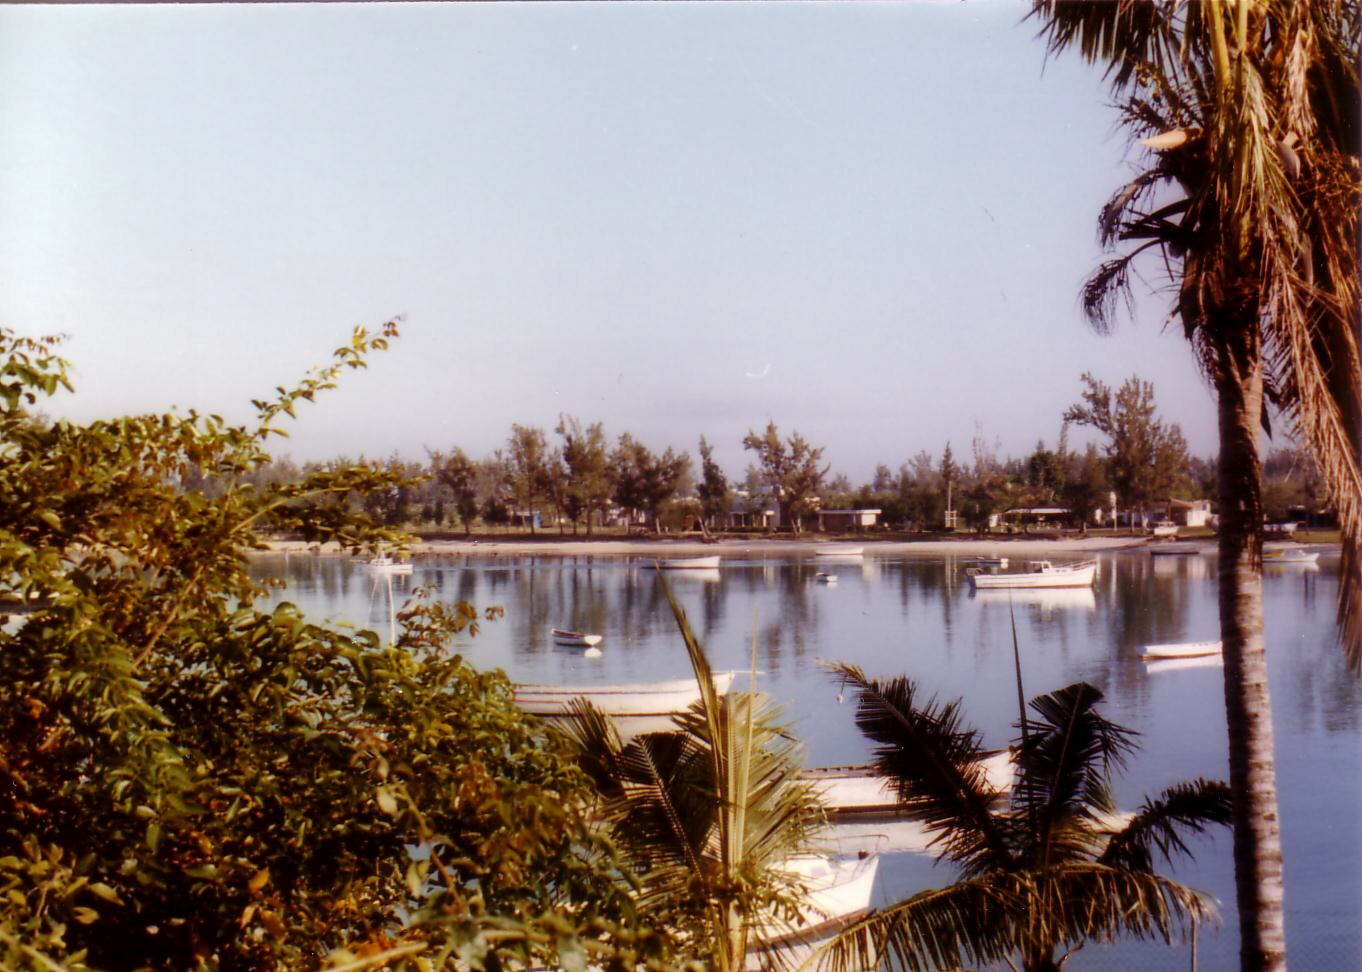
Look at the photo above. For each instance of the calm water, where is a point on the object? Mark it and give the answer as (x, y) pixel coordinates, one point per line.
(916, 615)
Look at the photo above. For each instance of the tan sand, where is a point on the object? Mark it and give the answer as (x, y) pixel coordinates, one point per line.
(755, 547)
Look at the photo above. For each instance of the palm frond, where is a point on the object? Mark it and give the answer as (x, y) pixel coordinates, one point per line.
(1160, 823)
(943, 928)
(983, 919)
(936, 766)
(1065, 761)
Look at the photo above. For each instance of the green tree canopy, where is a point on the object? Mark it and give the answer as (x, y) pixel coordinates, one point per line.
(790, 469)
(189, 781)
(1146, 457)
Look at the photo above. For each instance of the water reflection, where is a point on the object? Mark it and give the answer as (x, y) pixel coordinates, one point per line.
(916, 615)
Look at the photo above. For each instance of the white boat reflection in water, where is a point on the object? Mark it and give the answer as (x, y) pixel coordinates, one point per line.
(1076, 598)
(707, 575)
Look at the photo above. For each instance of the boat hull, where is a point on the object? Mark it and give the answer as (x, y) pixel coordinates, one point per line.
(1185, 649)
(578, 638)
(688, 563)
(636, 699)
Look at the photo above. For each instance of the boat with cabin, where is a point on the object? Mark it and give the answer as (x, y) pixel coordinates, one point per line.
(1038, 573)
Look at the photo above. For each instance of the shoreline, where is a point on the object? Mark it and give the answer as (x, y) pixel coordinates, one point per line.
(1019, 546)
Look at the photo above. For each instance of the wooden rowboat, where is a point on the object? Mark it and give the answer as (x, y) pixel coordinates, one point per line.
(1185, 649)
(636, 699)
(1041, 574)
(561, 636)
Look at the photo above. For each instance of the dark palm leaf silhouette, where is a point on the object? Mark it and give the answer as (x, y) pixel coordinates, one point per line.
(1051, 870)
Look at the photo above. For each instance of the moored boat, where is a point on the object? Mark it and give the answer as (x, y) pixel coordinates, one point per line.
(825, 578)
(688, 563)
(990, 561)
(561, 636)
(1184, 649)
(859, 791)
(1165, 528)
(1040, 573)
(387, 565)
(838, 892)
(633, 699)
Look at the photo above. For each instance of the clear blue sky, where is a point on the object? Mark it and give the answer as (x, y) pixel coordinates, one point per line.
(867, 222)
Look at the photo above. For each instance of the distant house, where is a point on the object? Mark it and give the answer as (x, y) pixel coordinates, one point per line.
(1036, 516)
(1189, 513)
(744, 519)
(840, 521)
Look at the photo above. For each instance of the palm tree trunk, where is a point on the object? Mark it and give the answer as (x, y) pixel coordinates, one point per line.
(1248, 709)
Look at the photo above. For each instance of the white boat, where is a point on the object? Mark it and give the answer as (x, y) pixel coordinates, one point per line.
(1174, 550)
(845, 550)
(636, 699)
(1185, 649)
(688, 563)
(1165, 528)
(1153, 666)
(825, 578)
(1040, 573)
(858, 791)
(990, 561)
(387, 565)
(838, 892)
(562, 636)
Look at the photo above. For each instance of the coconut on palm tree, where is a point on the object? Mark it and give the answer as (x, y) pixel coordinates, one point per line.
(707, 816)
(1250, 111)
(1056, 867)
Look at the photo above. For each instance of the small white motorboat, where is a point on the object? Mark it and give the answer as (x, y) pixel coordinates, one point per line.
(1184, 649)
(387, 565)
(822, 577)
(561, 636)
(688, 563)
(1165, 528)
(1039, 573)
(636, 699)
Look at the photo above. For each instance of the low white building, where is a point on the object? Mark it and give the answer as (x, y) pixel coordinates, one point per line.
(838, 521)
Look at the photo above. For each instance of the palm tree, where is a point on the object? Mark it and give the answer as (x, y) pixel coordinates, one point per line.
(1251, 111)
(1053, 868)
(706, 814)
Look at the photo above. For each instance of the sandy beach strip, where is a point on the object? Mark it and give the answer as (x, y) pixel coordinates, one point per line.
(746, 547)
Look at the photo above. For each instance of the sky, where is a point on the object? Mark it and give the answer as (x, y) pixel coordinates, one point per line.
(867, 223)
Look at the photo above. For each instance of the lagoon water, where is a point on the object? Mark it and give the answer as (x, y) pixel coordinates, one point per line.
(916, 615)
